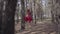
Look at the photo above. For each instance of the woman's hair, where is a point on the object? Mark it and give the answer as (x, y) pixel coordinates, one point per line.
(28, 10)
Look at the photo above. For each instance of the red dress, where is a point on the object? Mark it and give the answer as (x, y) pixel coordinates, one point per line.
(28, 18)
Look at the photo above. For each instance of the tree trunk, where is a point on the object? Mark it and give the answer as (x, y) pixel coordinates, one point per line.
(22, 15)
(7, 13)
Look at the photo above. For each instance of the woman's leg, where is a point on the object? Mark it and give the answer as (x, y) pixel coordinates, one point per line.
(27, 26)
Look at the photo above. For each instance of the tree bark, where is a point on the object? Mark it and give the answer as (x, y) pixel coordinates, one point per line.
(7, 16)
(22, 15)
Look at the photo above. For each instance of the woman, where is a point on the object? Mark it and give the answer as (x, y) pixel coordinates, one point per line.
(28, 19)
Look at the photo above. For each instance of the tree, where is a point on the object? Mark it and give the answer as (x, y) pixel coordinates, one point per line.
(7, 13)
(22, 15)
(56, 12)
